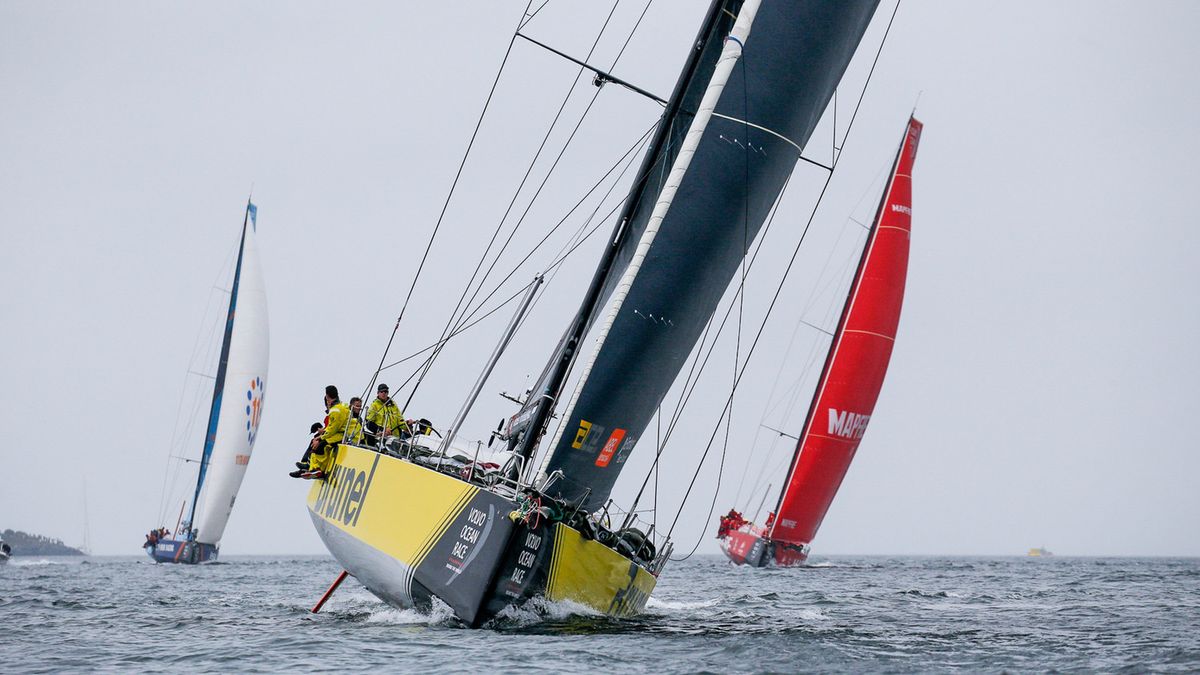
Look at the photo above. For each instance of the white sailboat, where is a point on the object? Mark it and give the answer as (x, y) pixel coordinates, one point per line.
(234, 414)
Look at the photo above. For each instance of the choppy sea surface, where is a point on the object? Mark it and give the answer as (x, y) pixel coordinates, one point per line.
(903, 614)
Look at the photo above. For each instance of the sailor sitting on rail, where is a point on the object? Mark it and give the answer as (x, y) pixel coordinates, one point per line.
(323, 446)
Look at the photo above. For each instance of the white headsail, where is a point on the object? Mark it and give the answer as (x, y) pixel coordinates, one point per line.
(241, 398)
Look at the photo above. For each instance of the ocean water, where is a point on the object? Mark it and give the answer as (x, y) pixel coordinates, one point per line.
(896, 614)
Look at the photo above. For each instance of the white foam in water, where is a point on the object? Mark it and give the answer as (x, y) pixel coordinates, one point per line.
(35, 563)
(655, 603)
(562, 609)
(439, 613)
(810, 614)
(540, 609)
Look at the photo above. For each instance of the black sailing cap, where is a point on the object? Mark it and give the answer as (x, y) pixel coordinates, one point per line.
(331, 391)
(382, 387)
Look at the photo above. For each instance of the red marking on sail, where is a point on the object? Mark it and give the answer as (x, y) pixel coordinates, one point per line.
(857, 360)
(610, 447)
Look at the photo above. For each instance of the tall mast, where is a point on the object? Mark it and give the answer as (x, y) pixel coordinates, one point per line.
(214, 411)
(537, 411)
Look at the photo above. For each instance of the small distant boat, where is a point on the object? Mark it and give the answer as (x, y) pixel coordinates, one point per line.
(1040, 552)
(233, 416)
(5, 552)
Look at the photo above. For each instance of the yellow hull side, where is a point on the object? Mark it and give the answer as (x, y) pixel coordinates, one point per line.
(392, 493)
(422, 520)
(594, 575)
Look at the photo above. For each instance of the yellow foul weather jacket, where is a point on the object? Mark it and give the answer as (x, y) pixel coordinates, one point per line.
(354, 432)
(385, 416)
(336, 429)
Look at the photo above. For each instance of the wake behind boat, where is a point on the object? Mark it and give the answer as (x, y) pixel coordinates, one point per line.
(233, 417)
(423, 518)
(847, 389)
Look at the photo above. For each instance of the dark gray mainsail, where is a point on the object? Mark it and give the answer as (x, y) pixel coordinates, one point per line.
(793, 55)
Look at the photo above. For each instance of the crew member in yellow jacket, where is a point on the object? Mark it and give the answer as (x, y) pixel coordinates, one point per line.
(335, 429)
(384, 417)
(354, 426)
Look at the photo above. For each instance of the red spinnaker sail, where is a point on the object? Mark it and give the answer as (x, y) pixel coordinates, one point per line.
(857, 361)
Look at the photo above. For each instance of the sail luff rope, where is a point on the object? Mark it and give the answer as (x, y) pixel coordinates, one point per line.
(446, 204)
(487, 250)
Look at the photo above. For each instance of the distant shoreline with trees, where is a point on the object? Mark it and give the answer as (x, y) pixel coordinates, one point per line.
(25, 544)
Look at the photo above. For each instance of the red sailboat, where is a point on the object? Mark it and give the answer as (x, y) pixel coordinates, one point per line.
(848, 388)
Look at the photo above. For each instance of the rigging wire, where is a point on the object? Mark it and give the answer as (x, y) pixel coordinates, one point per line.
(487, 250)
(529, 16)
(178, 437)
(446, 204)
(550, 270)
(843, 278)
(737, 381)
(627, 158)
(793, 391)
(563, 254)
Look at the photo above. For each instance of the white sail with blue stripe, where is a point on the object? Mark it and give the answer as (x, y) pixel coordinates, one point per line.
(234, 413)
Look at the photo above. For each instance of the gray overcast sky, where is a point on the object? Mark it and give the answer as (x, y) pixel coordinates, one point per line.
(1042, 391)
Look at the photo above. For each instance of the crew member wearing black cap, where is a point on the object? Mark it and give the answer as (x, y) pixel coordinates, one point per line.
(384, 418)
(322, 446)
(314, 432)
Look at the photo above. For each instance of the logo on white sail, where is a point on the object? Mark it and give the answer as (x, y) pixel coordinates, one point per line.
(847, 424)
(254, 400)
